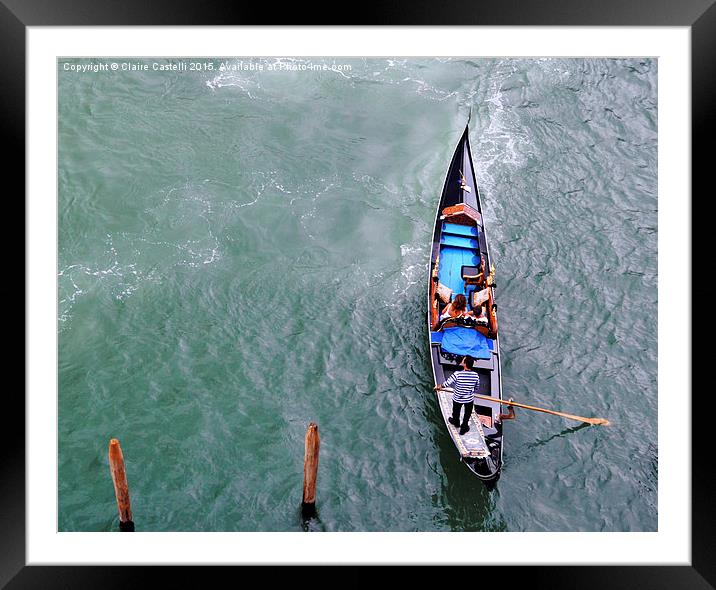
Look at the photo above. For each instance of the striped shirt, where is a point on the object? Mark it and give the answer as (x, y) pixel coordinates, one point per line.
(465, 384)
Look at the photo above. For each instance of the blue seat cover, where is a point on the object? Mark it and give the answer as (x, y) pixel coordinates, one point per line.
(459, 230)
(451, 262)
(459, 241)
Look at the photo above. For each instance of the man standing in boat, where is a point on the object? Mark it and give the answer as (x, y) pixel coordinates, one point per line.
(464, 383)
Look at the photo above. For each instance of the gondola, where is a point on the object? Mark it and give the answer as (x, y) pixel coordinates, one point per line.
(460, 263)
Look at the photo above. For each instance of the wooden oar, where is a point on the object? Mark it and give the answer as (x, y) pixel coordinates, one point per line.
(595, 421)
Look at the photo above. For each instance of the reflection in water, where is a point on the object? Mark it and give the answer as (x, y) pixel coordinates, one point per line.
(525, 454)
(564, 432)
(312, 524)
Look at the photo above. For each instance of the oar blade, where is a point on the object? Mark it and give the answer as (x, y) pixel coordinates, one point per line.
(594, 421)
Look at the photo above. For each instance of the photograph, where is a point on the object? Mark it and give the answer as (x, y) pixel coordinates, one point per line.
(358, 294)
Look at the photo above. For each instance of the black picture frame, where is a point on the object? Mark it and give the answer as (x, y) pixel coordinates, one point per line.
(16, 15)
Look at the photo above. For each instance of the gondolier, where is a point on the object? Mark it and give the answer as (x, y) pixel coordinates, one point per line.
(464, 384)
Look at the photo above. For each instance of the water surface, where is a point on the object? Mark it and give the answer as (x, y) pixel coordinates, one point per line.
(243, 252)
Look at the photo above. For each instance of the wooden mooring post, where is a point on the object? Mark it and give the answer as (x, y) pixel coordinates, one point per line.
(121, 489)
(310, 471)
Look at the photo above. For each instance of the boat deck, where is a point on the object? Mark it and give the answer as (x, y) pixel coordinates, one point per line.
(471, 444)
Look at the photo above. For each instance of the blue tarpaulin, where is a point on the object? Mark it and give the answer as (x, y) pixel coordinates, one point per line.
(464, 341)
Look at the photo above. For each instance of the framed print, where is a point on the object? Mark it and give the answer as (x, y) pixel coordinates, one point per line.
(228, 232)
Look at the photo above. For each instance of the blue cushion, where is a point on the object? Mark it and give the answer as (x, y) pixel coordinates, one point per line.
(459, 230)
(451, 262)
(459, 242)
(436, 337)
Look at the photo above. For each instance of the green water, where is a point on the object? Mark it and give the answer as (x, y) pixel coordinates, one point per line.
(244, 252)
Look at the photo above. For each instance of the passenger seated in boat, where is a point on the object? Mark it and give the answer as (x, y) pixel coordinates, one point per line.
(457, 308)
(481, 316)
